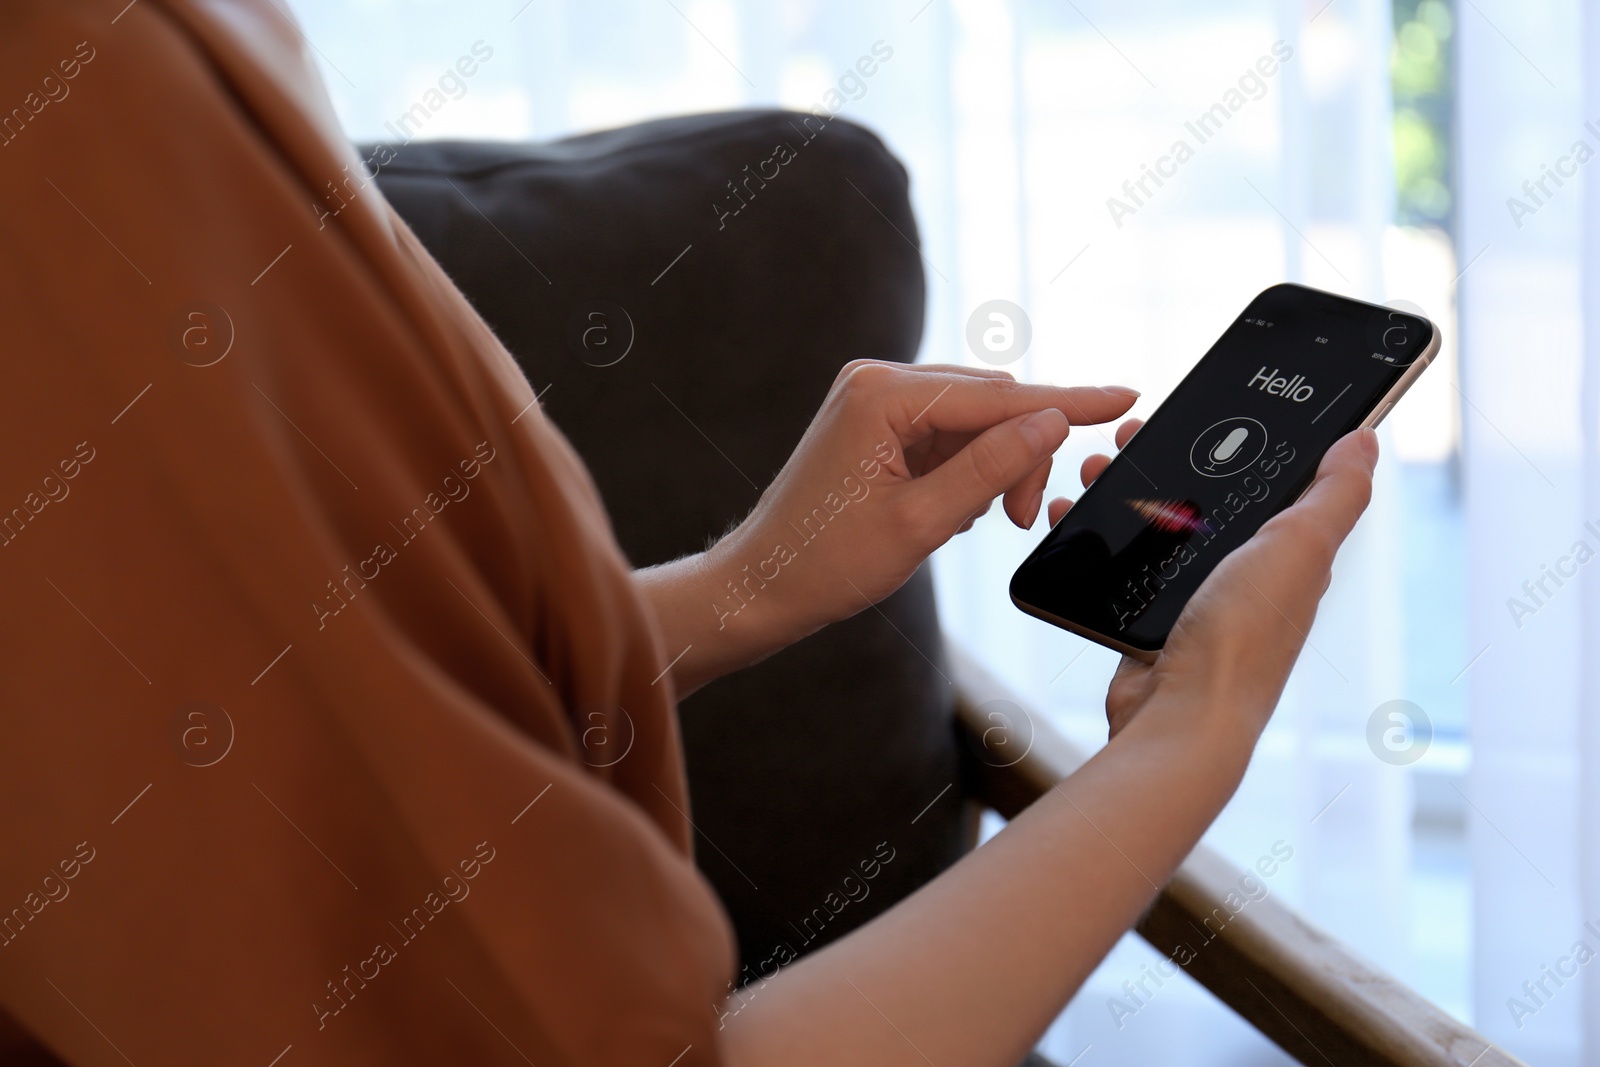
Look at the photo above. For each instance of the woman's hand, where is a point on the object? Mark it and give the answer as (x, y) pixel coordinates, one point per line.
(898, 460)
(1238, 636)
(1083, 862)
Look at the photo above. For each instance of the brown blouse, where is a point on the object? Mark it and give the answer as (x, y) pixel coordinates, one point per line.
(334, 727)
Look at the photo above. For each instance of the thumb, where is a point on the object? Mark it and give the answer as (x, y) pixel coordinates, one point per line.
(993, 462)
(1246, 625)
(1340, 492)
(1288, 561)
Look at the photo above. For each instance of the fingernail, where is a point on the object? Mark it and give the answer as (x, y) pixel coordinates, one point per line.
(1044, 430)
(1121, 390)
(1369, 445)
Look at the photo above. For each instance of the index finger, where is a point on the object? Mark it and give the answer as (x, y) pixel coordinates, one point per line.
(964, 404)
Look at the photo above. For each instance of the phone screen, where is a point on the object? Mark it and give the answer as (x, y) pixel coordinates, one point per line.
(1238, 440)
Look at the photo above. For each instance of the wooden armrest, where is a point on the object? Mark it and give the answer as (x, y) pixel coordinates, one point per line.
(1294, 983)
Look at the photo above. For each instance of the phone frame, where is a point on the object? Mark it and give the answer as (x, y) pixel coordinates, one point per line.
(1378, 412)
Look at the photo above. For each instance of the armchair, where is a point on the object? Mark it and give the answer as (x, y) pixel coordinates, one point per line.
(683, 348)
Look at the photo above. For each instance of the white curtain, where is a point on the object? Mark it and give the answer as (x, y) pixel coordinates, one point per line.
(1465, 872)
(1528, 371)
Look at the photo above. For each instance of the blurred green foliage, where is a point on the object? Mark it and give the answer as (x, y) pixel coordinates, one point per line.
(1422, 76)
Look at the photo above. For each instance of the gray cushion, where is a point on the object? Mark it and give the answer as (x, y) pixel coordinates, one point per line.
(821, 759)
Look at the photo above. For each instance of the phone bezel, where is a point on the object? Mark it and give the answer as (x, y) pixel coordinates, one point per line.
(1374, 416)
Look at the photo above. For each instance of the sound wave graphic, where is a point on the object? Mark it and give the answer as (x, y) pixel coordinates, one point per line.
(1171, 516)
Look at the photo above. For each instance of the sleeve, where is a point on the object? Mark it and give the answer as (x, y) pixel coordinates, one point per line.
(310, 615)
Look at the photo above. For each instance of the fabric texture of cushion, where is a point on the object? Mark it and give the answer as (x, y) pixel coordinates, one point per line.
(683, 293)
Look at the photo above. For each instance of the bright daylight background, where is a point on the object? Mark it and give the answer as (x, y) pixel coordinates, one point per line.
(1378, 162)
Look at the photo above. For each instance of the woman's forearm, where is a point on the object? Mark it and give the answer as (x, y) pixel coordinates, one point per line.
(970, 970)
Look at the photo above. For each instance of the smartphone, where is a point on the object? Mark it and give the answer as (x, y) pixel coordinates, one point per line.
(1235, 443)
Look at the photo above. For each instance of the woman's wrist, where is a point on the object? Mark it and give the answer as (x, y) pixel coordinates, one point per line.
(718, 613)
(1213, 728)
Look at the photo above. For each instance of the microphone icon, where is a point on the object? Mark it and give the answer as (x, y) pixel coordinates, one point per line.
(1229, 446)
